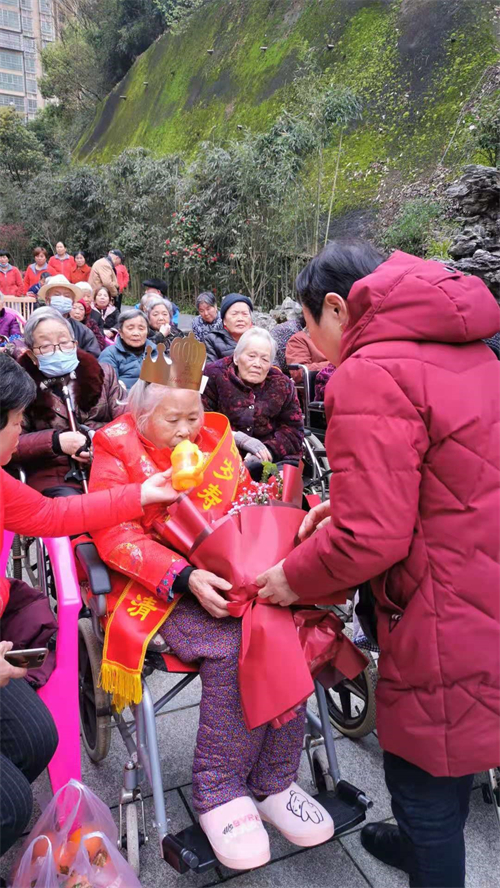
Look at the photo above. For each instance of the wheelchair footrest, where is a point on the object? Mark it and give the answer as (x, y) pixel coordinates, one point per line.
(346, 812)
(189, 850)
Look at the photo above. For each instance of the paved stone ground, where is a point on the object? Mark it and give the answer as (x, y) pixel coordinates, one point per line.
(341, 863)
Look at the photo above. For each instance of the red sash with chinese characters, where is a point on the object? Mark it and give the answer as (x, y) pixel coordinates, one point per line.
(137, 615)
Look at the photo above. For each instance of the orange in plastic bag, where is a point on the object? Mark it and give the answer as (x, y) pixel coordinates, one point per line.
(187, 466)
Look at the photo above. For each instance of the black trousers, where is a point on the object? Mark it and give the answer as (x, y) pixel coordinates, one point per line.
(431, 814)
(28, 740)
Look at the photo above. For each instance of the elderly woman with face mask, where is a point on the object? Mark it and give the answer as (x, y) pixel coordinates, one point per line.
(159, 313)
(60, 295)
(239, 776)
(52, 360)
(259, 400)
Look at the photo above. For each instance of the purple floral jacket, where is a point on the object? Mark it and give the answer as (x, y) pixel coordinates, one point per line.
(269, 411)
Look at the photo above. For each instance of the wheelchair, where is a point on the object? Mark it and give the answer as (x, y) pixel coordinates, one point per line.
(188, 850)
(316, 468)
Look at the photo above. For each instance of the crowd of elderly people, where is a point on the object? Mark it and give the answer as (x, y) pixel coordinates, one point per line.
(414, 494)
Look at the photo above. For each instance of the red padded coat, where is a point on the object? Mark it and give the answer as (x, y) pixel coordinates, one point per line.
(414, 443)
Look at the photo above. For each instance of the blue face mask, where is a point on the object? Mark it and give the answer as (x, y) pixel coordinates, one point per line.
(62, 304)
(58, 364)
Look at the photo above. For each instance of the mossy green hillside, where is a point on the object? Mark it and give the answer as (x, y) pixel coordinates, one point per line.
(413, 65)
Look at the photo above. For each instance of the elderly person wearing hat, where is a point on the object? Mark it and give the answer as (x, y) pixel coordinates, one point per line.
(209, 318)
(11, 282)
(236, 315)
(240, 777)
(103, 274)
(60, 294)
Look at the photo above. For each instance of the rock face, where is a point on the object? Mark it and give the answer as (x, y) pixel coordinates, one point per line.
(476, 248)
(287, 311)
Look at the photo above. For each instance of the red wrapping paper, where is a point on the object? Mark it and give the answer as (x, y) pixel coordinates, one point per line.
(281, 648)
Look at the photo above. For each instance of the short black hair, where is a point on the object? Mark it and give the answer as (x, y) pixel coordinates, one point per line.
(335, 269)
(17, 388)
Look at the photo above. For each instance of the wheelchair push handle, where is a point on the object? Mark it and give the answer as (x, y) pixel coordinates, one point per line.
(76, 473)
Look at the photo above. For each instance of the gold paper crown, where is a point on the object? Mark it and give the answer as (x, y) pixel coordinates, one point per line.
(184, 369)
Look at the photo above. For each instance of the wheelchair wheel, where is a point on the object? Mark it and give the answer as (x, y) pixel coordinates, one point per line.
(95, 704)
(493, 787)
(132, 827)
(351, 704)
(316, 467)
(15, 562)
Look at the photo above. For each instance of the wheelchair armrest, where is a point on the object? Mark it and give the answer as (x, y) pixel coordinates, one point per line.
(94, 567)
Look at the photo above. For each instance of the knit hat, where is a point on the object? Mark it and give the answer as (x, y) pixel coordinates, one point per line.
(230, 300)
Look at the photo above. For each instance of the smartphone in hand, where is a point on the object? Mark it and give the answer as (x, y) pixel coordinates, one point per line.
(31, 658)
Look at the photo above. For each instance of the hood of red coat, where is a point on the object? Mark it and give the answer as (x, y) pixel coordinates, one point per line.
(420, 301)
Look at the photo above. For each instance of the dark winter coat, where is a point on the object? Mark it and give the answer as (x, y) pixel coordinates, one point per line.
(157, 337)
(413, 441)
(126, 364)
(97, 398)
(108, 317)
(269, 411)
(219, 344)
(84, 337)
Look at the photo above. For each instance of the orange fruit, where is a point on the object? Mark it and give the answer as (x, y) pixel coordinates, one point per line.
(77, 881)
(94, 846)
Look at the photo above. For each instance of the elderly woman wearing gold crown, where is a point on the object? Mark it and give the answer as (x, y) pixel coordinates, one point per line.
(240, 777)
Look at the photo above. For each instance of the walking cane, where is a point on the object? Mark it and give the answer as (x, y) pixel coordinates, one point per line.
(77, 472)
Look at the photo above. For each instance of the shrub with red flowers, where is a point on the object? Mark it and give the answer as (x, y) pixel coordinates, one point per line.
(185, 250)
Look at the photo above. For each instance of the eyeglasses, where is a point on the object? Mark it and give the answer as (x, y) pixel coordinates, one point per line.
(50, 349)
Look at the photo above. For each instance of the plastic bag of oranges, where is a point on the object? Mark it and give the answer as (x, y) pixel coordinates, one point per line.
(73, 814)
(97, 864)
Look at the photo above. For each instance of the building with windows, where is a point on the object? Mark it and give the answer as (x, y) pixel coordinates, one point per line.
(26, 27)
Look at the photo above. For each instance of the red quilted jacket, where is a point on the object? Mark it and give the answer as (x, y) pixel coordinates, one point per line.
(414, 443)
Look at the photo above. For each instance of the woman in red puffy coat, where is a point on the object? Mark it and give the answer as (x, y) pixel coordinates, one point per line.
(414, 444)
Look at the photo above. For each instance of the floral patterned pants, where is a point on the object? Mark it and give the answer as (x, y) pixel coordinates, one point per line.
(229, 760)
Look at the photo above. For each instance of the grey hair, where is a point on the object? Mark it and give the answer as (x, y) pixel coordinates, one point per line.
(158, 300)
(254, 333)
(146, 299)
(128, 314)
(143, 398)
(45, 313)
(207, 297)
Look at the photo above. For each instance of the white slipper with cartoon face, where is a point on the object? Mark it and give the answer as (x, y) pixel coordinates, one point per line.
(236, 834)
(297, 816)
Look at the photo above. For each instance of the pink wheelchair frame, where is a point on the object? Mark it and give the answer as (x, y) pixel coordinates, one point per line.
(60, 694)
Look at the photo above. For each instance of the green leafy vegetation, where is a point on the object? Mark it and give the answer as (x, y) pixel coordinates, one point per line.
(412, 227)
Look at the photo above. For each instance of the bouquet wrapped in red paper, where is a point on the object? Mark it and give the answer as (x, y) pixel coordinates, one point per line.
(282, 649)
